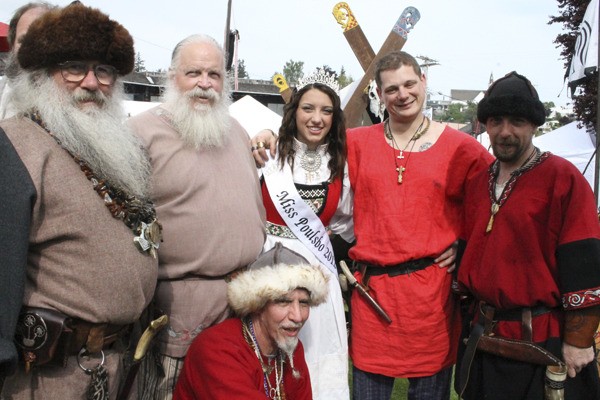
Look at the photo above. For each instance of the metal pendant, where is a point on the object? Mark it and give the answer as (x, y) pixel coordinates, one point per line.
(149, 237)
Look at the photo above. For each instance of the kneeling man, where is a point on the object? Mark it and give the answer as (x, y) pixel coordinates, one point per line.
(258, 353)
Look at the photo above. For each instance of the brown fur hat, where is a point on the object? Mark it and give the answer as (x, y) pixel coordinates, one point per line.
(76, 33)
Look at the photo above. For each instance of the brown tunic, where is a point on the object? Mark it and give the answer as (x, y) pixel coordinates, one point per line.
(81, 260)
(210, 205)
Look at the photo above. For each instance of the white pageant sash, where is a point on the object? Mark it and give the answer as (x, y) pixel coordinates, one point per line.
(298, 215)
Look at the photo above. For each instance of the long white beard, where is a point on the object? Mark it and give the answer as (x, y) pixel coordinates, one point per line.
(97, 135)
(201, 125)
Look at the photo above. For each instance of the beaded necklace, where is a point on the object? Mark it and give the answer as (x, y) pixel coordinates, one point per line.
(274, 393)
(138, 215)
(416, 136)
(532, 160)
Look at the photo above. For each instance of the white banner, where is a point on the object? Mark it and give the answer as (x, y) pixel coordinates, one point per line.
(298, 215)
(585, 56)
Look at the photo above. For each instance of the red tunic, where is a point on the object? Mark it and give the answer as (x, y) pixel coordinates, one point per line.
(544, 238)
(220, 365)
(394, 223)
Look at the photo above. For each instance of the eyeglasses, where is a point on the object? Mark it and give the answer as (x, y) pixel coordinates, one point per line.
(76, 71)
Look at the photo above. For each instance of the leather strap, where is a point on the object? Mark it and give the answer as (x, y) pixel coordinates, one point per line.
(405, 268)
(468, 356)
(526, 329)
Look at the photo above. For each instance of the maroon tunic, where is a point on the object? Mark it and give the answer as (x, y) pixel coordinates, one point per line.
(220, 365)
(543, 250)
(545, 238)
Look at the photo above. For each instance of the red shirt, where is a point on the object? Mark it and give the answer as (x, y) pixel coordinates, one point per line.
(220, 365)
(543, 249)
(394, 223)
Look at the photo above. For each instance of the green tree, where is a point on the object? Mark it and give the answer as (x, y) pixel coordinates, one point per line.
(241, 67)
(138, 65)
(571, 16)
(460, 113)
(330, 71)
(548, 106)
(293, 71)
(344, 79)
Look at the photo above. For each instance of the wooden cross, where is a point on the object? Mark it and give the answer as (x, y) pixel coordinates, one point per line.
(400, 170)
(365, 54)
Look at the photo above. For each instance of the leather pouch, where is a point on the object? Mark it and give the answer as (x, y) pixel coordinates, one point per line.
(519, 350)
(43, 337)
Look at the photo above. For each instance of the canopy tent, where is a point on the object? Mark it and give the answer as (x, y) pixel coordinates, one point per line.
(254, 116)
(573, 143)
(136, 107)
(250, 113)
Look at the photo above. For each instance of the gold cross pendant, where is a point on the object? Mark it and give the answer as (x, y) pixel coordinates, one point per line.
(400, 170)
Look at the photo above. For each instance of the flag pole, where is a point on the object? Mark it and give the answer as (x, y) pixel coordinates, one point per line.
(597, 170)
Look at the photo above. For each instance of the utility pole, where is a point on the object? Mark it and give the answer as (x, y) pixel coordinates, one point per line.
(226, 40)
(427, 62)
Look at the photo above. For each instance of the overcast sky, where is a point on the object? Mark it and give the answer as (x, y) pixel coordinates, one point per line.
(470, 39)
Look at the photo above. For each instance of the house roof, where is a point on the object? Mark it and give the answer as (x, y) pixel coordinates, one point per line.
(465, 95)
(146, 78)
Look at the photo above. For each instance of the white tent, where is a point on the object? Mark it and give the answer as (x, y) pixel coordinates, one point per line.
(573, 143)
(254, 116)
(251, 114)
(135, 107)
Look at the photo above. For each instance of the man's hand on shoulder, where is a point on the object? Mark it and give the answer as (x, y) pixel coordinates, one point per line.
(260, 143)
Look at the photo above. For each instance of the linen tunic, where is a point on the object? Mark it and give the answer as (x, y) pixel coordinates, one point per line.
(394, 223)
(79, 259)
(209, 203)
(543, 250)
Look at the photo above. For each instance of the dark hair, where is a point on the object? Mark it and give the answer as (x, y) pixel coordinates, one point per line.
(335, 139)
(14, 21)
(395, 60)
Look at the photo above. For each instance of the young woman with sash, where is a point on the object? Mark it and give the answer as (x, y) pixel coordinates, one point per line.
(307, 196)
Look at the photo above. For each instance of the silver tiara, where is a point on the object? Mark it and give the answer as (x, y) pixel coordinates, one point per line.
(320, 76)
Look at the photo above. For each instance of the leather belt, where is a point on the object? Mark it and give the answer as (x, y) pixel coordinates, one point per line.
(515, 314)
(405, 268)
(488, 316)
(95, 337)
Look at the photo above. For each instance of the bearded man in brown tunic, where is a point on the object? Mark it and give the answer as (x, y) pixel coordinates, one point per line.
(78, 234)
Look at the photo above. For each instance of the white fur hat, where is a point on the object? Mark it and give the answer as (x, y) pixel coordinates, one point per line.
(275, 273)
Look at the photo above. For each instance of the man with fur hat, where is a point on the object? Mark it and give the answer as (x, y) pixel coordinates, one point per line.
(17, 27)
(207, 196)
(78, 234)
(531, 264)
(258, 354)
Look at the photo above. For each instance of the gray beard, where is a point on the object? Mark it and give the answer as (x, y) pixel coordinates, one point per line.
(201, 126)
(97, 135)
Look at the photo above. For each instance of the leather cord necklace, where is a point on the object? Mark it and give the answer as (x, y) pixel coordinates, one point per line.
(420, 131)
(137, 214)
(534, 158)
(276, 392)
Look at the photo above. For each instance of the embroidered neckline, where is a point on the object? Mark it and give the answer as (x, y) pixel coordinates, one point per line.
(536, 158)
(137, 214)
